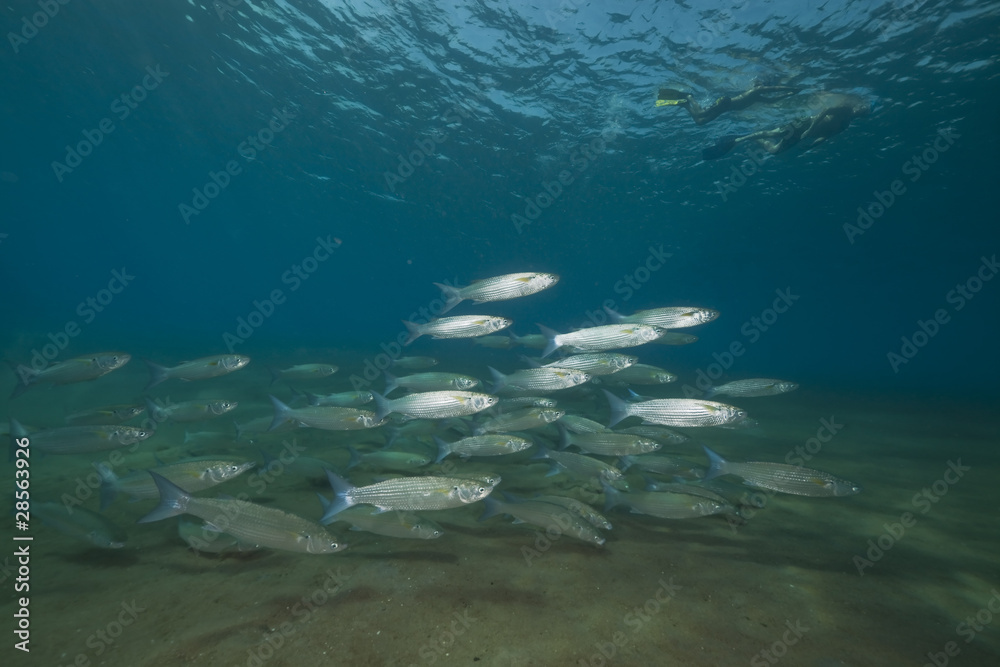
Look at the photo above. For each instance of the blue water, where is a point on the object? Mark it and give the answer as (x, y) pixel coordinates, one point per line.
(405, 143)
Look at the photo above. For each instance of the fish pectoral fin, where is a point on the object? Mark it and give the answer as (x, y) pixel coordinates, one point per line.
(211, 527)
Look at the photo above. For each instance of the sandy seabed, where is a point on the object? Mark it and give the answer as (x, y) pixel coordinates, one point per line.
(818, 582)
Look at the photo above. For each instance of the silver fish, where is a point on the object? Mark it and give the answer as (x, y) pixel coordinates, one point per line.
(537, 379)
(430, 382)
(325, 418)
(499, 288)
(579, 465)
(197, 369)
(514, 402)
(752, 387)
(553, 518)
(663, 464)
(642, 374)
(519, 420)
(434, 404)
(660, 433)
(192, 475)
(249, 523)
(202, 538)
(406, 493)
(595, 363)
(663, 505)
(389, 460)
(781, 477)
(613, 444)
(83, 439)
(80, 523)
(582, 509)
(462, 326)
(344, 399)
(676, 338)
(303, 372)
(481, 445)
(674, 317)
(675, 411)
(391, 524)
(578, 424)
(77, 369)
(414, 363)
(111, 414)
(602, 338)
(189, 411)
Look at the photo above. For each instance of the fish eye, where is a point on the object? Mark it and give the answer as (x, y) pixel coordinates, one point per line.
(482, 489)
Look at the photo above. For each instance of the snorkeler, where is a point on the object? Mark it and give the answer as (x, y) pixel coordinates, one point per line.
(702, 115)
(835, 116)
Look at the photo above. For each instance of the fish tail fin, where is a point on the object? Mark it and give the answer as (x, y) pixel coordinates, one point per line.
(157, 374)
(625, 462)
(550, 334)
(414, 330)
(444, 449)
(391, 382)
(25, 377)
(619, 408)
(530, 361)
(313, 399)
(716, 466)
(382, 407)
(612, 496)
(355, 457)
(341, 488)
(710, 392)
(158, 414)
(451, 296)
(109, 484)
(239, 430)
(565, 439)
(499, 380)
(324, 502)
(268, 460)
(614, 314)
(275, 374)
(282, 413)
(173, 500)
(493, 507)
